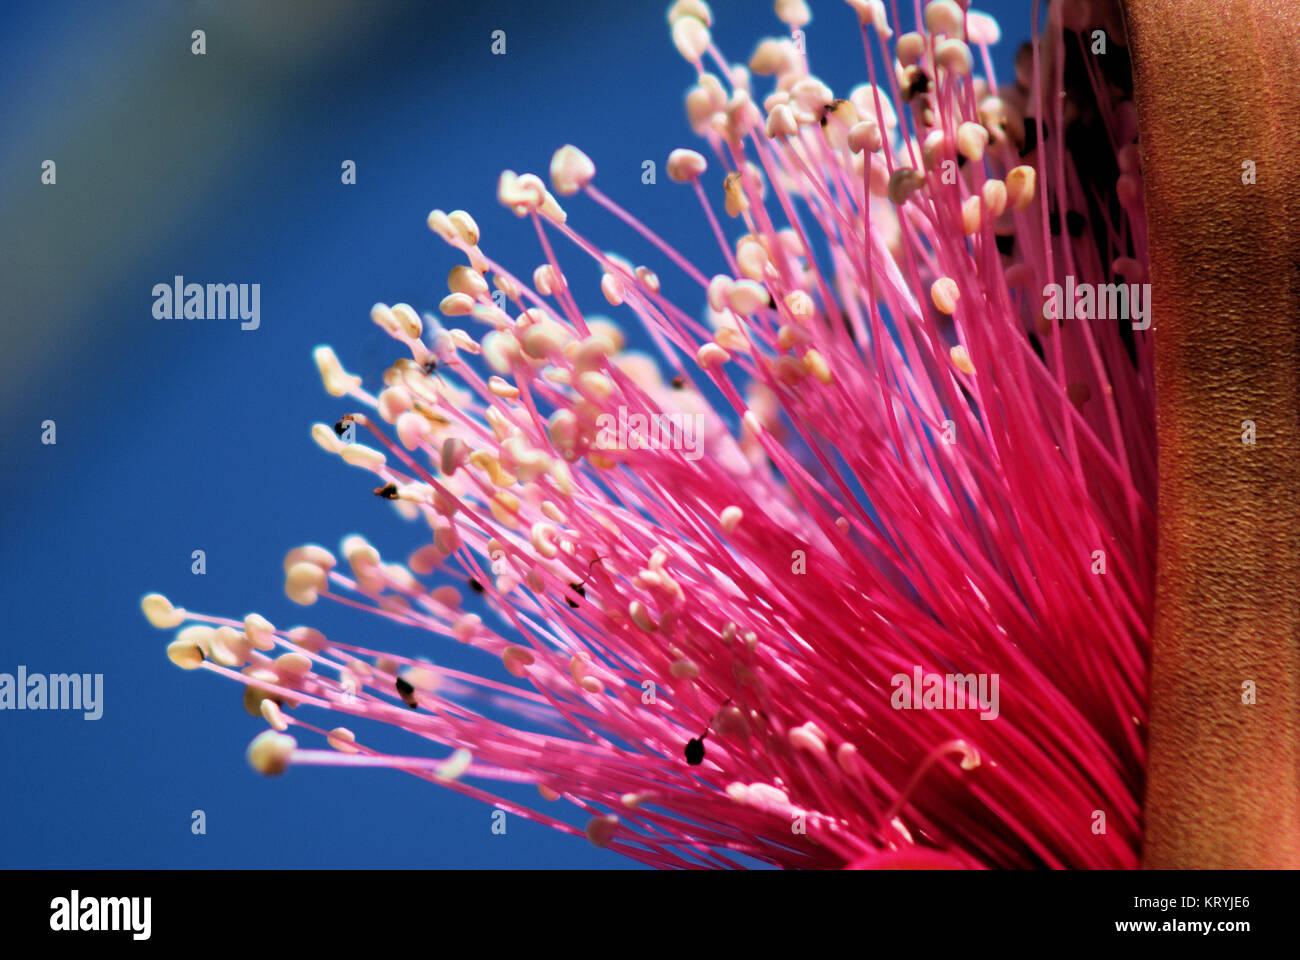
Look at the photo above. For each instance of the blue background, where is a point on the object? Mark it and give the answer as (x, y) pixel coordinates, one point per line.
(175, 435)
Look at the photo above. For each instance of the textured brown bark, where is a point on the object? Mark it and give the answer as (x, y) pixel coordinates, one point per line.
(1218, 83)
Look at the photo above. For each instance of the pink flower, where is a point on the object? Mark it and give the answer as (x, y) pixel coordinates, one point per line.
(858, 571)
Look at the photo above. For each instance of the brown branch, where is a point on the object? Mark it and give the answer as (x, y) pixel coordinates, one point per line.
(1218, 83)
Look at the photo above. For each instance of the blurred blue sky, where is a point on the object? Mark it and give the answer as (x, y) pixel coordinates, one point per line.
(175, 435)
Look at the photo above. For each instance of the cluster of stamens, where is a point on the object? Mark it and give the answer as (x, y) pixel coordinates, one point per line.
(900, 463)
